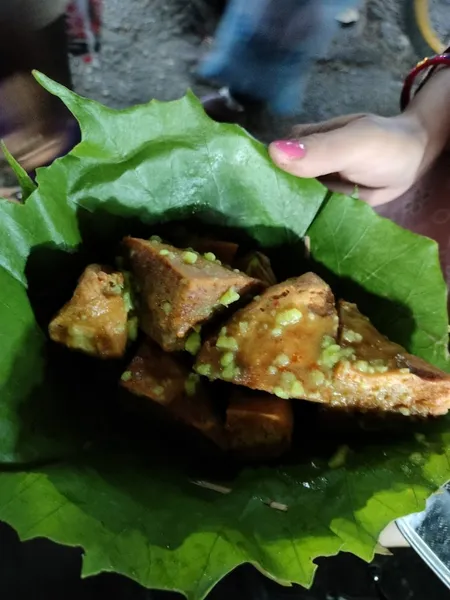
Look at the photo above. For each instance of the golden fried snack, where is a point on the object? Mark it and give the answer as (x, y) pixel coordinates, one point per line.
(381, 375)
(223, 251)
(259, 426)
(257, 265)
(285, 343)
(180, 290)
(164, 380)
(94, 321)
(279, 343)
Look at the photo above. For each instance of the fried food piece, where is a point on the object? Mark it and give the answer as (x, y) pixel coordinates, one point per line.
(94, 321)
(223, 251)
(358, 333)
(179, 290)
(257, 264)
(259, 426)
(280, 343)
(383, 376)
(285, 343)
(162, 379)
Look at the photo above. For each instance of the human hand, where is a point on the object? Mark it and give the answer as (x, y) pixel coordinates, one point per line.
(382, 156)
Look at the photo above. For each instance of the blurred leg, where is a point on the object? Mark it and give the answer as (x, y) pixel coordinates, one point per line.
(264, 49)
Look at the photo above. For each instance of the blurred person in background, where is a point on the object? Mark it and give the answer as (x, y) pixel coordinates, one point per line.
(35, 126)
(263, 53)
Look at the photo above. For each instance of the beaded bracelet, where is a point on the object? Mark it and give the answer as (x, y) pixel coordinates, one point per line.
(431, 64)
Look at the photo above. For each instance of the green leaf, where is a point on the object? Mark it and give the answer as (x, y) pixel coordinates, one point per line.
(25, 181)
(405, 294)
(162, 161)
(158, 528)
(137, 511)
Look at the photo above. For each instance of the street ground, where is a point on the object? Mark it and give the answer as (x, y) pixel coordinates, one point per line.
(151, 50)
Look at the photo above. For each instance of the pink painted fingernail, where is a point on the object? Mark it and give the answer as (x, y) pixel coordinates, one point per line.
(292, 148)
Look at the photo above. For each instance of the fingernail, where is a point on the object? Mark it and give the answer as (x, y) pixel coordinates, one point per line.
(292, 148)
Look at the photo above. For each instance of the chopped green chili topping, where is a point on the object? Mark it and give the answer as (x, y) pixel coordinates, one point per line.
(190, 385)
(288, 317)
(190, 258)
(229, 297)
(193, 343)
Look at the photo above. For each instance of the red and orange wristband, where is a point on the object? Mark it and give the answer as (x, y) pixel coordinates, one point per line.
(426, 66)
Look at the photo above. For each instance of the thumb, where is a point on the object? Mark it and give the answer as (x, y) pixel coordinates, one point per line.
(320, 153)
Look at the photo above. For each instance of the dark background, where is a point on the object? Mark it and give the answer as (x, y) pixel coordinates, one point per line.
(41, 570)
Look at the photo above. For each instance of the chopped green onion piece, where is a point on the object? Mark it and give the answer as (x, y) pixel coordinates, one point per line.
(363, 366)
(327, 341)
(167, 307)
(227, 359)
(228, 372)
(229, 297)
(243, 327)
(317, 377)
(280, 393)
(128, 301)
(227, 343)
(351, 336)
(204, 370)
(132, 327)
(282, 360)
(288, 378)
(190, 258)
(297, 389)
(115, 289)
(190, 385)
(288, 317)
(330, 356)
(193, 343)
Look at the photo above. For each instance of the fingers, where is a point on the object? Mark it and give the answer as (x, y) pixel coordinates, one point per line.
(340, 186)
(11, 194)
(352, 147)
(336, 184)
(300, 131)
(377, 197)
(322, 147)
(373, 196)
(319, 153)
